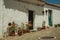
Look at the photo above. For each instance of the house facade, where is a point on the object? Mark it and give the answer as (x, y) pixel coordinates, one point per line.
(25, 11)
(55, 12)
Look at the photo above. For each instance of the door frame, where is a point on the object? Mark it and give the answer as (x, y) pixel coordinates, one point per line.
(32, 19)
(50, 22)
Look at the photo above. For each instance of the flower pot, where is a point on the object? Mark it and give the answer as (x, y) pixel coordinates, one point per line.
(43, 27)
(55, 26)
(12, 33)
(26, 31)
(19, 32)
(58, 25)
(38, 28)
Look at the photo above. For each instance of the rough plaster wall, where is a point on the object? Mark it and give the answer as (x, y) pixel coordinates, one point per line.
(14, 15)
(18, 12)
(1, 17)
(38, 21)
(56, 17)
(55, 14)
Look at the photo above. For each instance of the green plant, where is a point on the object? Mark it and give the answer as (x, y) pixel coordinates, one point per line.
(12, 29)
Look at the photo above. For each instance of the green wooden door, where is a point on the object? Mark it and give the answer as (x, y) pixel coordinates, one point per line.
(50, 18)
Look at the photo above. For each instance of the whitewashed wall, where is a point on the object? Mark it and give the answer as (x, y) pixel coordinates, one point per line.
(14, 13)
(55, 14)
(1, 17)
(18, 12)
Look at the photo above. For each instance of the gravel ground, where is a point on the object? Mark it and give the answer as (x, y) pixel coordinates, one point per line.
(54, 32)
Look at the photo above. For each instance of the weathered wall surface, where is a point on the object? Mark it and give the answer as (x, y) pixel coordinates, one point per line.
(1, 17)
(55, 14)
(11, 10)
(18, 12)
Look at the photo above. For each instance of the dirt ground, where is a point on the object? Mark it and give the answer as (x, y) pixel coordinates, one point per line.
(54, 32)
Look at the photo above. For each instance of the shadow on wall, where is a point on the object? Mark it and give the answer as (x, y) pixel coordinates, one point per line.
(15, 5)
(21, 7)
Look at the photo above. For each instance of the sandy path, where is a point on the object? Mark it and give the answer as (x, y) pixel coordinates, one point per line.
(36, 35)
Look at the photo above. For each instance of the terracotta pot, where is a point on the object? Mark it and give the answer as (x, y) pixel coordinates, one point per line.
(19, 32)
(12, 33)
(56, 26)
(38, 28)
(43, 27)
(48, 27)
(26, 31)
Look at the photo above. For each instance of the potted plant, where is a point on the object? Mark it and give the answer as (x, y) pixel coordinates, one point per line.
(19, 31)
(27, 28)
(12, 31)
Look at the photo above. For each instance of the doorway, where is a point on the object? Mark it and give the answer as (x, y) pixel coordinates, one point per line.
(30, 19)
(50, 17)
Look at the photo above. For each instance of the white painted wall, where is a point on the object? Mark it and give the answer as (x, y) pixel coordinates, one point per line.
(18, 12)
(1, 17)
(55, 14)
(14, 13)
